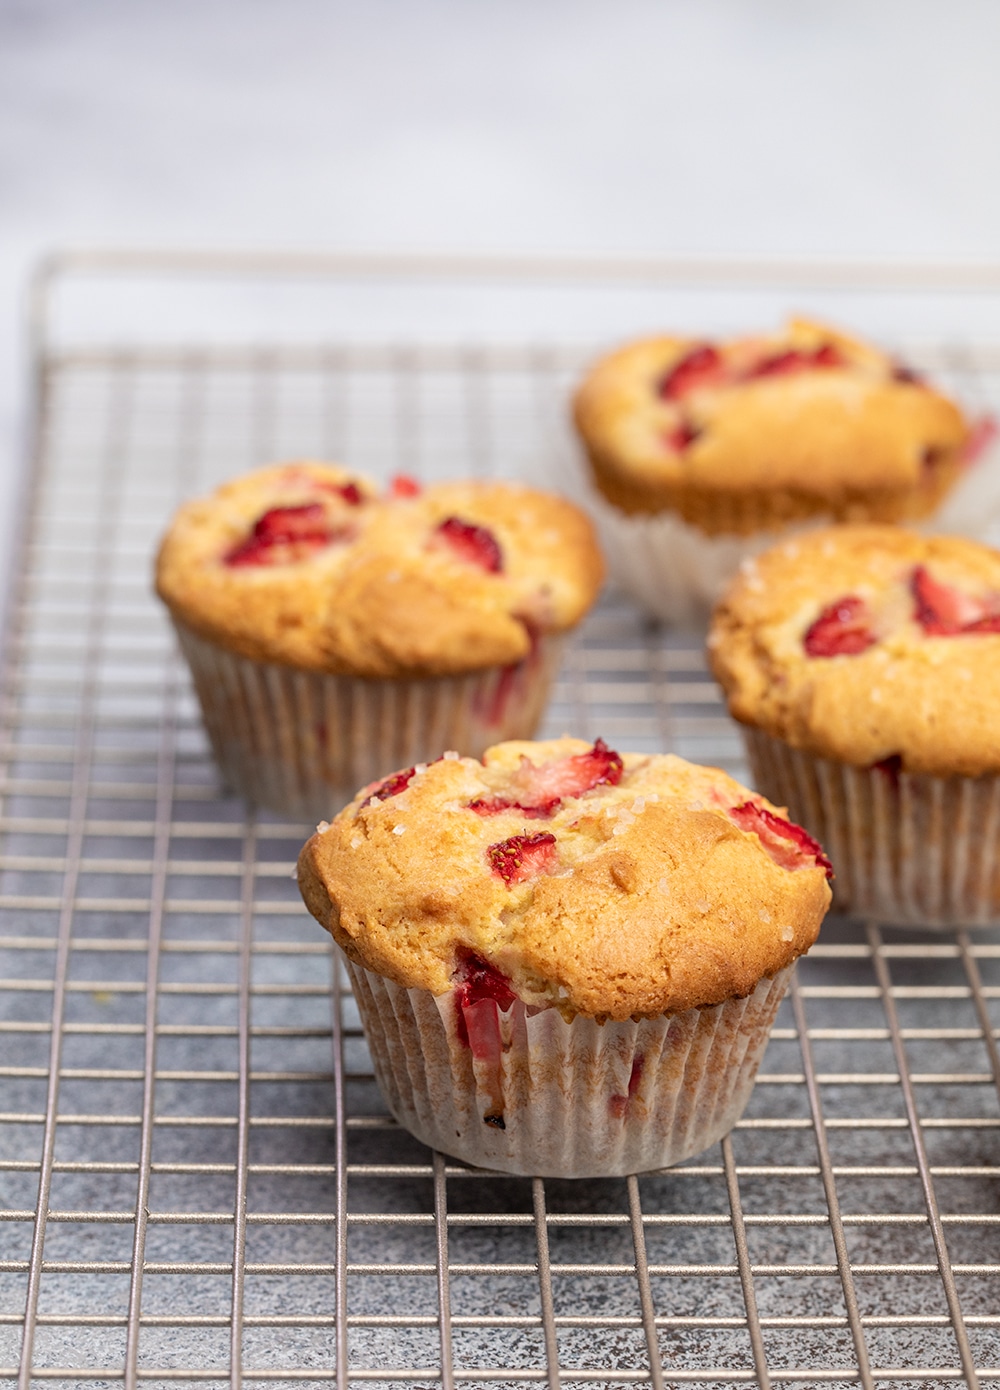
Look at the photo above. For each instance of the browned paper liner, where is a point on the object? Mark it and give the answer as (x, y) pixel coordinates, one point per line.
(919, 850)
(302, 743)
(565, 1099)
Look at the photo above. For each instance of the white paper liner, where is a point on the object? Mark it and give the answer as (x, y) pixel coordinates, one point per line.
(561, 1089)
(919, 850)
(302, 743)
(678, 573)
(675, 571)
(972, 507)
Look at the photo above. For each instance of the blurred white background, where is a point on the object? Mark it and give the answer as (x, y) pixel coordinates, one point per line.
(869, 127)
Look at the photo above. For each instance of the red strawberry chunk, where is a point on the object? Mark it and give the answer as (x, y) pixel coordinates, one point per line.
(350, 492)
(256, 552)
(941, 610)
(522, 857)
(679, 438)
(541, 789)
(475, 544)
(402, 485)
(618, 1104)
(291, 523)
(392, 786)
(282, 534)
(551, 782)
(496, 805)
(701, 366)
(796, 360)
(981, 436)
(788, 844)
(991, 623)
(841, 629)
(480, 980)
(827, 356)
(481, 991)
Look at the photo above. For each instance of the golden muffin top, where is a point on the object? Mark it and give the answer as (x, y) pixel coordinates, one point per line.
(608, 885)
(819, 422)
(306, 564)
(864, 643)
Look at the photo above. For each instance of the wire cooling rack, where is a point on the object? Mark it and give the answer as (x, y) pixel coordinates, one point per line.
(199, 1180)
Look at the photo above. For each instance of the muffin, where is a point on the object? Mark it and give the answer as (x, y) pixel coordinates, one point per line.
(333, 632)
(864, 665)
(587, 989)
(702, 452)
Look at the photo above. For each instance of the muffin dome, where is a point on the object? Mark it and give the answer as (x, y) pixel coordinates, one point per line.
(757, 432)
(604, 885)
(865, 644)
(305, 564)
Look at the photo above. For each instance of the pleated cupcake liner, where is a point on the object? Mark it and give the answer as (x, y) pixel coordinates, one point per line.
(676, 572)
(302, 743)
(905, 848)
(537, 1095)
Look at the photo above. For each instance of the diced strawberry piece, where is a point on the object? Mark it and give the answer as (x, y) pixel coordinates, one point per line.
(402, 485)
(788, 844)
(981, 436)
(392, 786)
(480, 993)
(257, 552)
(507, 682)
(827, 356)
(496, 805)
(635, 1075)
(475, 544)
(942, 611)
(990, 623)
(291, 523)
(348, 492)
(701, 366)
(796, 360)
(492, 705)
(679, 438)
(550, 782)
(480, 980)
(291, 533)
(522, 857)
(778, 364)
(618, 1104)
(840, 630)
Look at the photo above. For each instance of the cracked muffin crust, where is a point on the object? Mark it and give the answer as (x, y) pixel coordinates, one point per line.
(757, 432)
(612, 886)
(868, 645)
(306, 565)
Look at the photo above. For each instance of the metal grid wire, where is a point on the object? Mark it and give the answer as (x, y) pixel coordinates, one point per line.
(200, 1181)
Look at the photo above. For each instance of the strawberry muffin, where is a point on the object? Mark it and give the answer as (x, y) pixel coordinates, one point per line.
(333, 631)
(864, 664)
(702, 451)
(587, 990)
